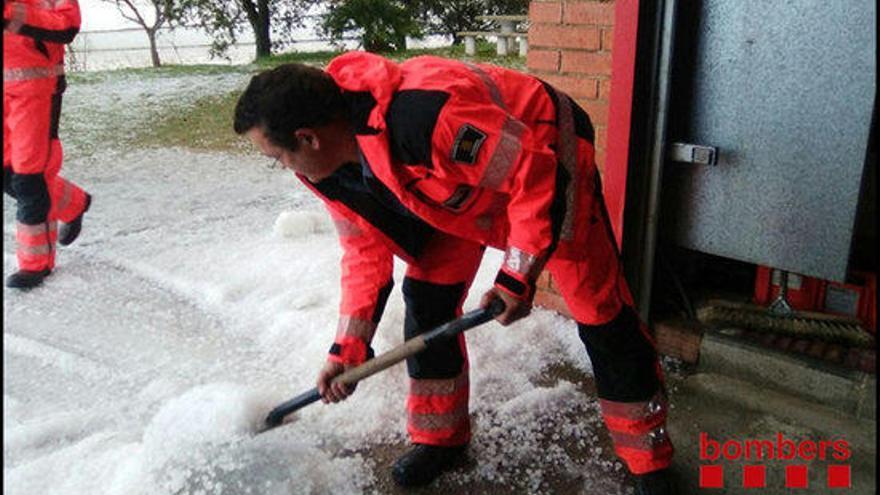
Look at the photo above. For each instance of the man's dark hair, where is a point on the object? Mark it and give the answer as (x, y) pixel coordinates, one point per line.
(286, 98)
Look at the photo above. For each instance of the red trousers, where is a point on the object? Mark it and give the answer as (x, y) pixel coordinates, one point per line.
(625, 363)
(32, 158)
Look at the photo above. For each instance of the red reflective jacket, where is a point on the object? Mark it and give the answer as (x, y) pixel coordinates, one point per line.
(473, 151)
(34, 35)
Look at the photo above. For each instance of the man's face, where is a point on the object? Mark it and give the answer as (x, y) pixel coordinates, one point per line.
(308, 159)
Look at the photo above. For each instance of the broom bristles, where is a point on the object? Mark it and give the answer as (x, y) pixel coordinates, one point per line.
(831, 328)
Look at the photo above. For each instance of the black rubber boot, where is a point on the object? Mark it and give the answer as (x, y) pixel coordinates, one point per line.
(424, 463)
(70, 231)
(655, 483)
(27, 279)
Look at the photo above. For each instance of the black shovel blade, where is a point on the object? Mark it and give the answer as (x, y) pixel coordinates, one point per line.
(276, 416)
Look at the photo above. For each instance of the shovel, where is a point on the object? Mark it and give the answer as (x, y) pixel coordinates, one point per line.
(387, 359)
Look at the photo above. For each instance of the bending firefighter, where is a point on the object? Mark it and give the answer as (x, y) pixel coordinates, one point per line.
(34, 35)
(431, 160)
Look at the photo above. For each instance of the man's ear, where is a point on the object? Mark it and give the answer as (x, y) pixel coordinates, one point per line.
(307, 137)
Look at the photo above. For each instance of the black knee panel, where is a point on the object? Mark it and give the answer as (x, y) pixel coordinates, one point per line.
(7, 181)
(429, 305)
(32, 194)
(624, 360)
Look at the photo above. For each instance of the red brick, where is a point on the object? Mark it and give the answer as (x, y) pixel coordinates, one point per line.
(590, 12)
(596, 109)
(601, 137)
(543, 282)
(586, 62)
(550, 12)
(852, 358)
(574, 86)
(607, 39)
(817, 349)
(605, 89)
(543, 60)
(783, 343)
(553, 36)
(868, 361)
(554, 302)
(800, 346)
(678, 338)
(834, 354)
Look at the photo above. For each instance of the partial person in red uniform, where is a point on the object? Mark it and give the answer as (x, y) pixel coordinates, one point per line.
(431, 160)
(34, 35)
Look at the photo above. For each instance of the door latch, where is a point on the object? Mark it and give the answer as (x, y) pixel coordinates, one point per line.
(693, 153)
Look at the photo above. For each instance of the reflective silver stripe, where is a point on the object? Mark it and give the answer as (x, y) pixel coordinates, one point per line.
(40, 250)
(521, 262)
(35, 230)
(647, 441)
(494, 92)
(346, 228)
(635, 411)
(438, 386)
(567, 151)
(66, 196)
(30, 73)
(505, 153)
(509, 144)
(453, 419)
(355, 327)
(19, 15)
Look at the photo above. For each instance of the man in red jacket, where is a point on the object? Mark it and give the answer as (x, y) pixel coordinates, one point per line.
(432, 160)
(34, 35)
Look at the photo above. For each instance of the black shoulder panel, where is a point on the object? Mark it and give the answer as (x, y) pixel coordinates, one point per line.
(583, 127)
(360, 104)
(411, 119)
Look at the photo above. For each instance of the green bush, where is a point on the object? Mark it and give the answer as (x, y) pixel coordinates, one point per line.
(383, 25)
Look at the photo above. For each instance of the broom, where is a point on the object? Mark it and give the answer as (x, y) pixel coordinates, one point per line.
(780, 318)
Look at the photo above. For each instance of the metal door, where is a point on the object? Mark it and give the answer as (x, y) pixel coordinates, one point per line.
(784, 91)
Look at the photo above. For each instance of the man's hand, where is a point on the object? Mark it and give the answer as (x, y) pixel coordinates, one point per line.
(333, 392)
(514, 308)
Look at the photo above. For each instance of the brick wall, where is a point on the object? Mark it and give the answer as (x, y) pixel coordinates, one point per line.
(570, 45)
(570, 48)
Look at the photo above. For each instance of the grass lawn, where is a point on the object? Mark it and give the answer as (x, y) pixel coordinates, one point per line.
(206, 123)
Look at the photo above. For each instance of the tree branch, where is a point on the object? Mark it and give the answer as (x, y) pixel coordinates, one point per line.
(120, 4)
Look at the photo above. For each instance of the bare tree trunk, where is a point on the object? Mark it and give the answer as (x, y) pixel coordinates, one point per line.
(259, 18)
(154, 51)
(264, 42)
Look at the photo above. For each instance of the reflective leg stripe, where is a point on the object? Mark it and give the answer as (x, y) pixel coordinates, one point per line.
(36, 245)
(437, 411)
(350, 326)
(638, 430)
(645, 461)
(68, 199)
(347, 228)
(32, 73)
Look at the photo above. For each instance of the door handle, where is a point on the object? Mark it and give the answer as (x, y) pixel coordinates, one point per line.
(693, 153)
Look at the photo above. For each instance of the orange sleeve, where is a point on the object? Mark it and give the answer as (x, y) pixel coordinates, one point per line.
(475, 142)
(367, 278)
(58, 24)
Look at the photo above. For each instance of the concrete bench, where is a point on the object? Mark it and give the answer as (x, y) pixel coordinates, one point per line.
(502, 41)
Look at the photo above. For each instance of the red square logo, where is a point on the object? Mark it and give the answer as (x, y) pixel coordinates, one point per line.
(711, 476)
(839, 476)
(796, 476)
(754, 476)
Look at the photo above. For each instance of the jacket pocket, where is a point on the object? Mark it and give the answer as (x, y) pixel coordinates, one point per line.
(456, 198)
